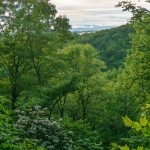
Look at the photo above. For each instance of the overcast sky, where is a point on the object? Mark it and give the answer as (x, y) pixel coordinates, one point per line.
(94, 12)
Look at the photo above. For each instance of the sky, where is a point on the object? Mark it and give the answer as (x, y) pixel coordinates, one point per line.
(94, 12)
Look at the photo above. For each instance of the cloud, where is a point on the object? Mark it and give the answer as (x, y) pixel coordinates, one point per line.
(97, 12)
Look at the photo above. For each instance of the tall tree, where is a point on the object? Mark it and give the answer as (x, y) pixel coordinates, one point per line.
(27, 35)
(131, 87)
(84, 61)
(135, 75)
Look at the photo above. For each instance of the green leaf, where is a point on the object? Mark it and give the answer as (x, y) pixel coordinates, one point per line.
(147, 105)
(115, 145)
(137, 126)
(127, 121)
(124, 147)
(143, 121)
(140, 148)
(40, 148)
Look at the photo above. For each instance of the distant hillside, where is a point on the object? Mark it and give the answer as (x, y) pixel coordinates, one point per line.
(89, 28)
(113, 44)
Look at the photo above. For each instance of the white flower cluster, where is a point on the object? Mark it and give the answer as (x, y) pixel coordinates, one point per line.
(34, 124)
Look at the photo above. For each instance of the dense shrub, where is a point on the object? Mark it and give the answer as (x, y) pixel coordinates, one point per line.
(84, 138)
(139, 138)
(5, 124)
(34, 124)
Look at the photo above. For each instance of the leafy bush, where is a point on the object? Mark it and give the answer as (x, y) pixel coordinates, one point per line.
(34, 124)
(83, 136)
(5, 124)
(9, 137)
(140, 138)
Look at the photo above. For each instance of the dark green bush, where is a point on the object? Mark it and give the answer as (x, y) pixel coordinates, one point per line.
(84, 138)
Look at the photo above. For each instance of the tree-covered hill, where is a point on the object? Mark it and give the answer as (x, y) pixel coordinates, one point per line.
(113, 44)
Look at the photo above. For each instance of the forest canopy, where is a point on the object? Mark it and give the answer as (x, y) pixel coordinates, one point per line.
(62, 91)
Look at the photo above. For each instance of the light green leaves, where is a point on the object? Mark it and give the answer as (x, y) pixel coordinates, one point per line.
(140, 148)
(124, 147)
(143, 121)
(135, 125)
(116, 147)
(127, 148)
(147, 105)
(127, 121)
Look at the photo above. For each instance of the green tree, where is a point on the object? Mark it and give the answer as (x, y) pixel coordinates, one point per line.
(84, 61)
(130, 89)
(61, 27)
(27, 38)
(134, 77)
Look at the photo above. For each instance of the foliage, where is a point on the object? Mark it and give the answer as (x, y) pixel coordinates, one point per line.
(84, 138)
(82, 88)
(115, 49)
(29, 35)
(130, 89)
(39, 65)
(9, 137)
(5, 123)
(34, 124)
(141, 139)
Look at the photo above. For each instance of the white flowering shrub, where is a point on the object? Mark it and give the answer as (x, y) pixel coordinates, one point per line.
(34, 124)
